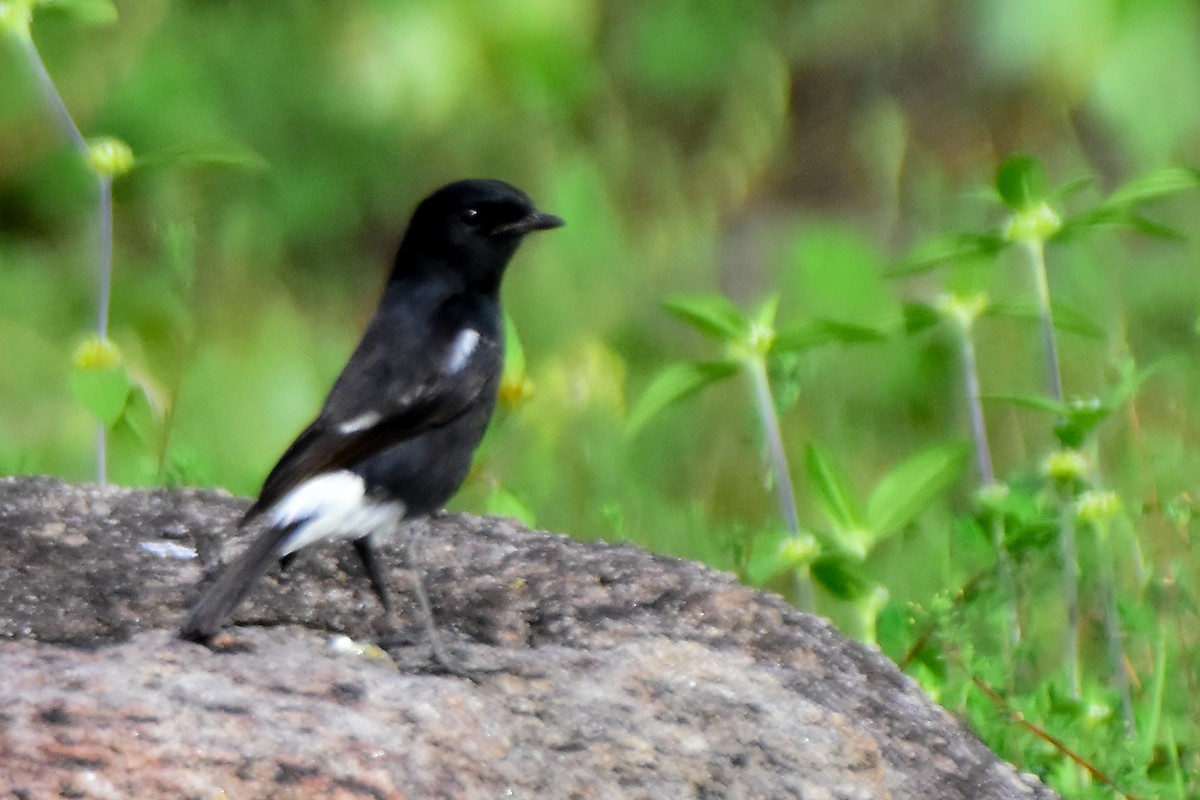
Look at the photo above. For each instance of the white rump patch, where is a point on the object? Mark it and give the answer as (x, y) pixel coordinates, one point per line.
(464, 345)
(360, 423)
(332, 506)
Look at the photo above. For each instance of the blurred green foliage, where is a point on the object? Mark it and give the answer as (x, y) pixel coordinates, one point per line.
(785, 149)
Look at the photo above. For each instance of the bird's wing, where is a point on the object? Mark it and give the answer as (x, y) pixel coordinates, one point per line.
(387, 393)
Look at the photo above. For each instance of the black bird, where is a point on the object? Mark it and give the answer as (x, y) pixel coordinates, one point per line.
(396, 435)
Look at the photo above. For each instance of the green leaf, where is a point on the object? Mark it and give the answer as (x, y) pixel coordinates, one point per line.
(951, 247)
(515, 384)
(711, 313)
(103, 390)
(765, 316)
(839, 578)
(675, 383)
(1130, 379)
(1155, 230)
(849, 333)
(1064, 317)
(799, 338)
(1075, 225)
(219, 154)
(764, 562)
(834, 492)
(1073, 187)
(1154, 185)
(1021, 181)
(818, 332)
(89, 12)
(775, 552)
(514, 352)
(920, 317)
(1034, 402)
(1069, 319)
(1118, 217)
(141, 415)
(910, 487)
(1083, 417)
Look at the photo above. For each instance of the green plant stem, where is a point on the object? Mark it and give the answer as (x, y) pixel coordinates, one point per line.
(1153, 728)
(58, 108)
(1070, 592)
(987, 476)
(1112, 626)
(66, 123)
(1007, 583)
(756, 366)
(983, 450)
(1116, 654)
(1036, 250)
(105, 253)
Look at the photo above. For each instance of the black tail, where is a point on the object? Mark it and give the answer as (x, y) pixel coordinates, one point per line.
(232, 585)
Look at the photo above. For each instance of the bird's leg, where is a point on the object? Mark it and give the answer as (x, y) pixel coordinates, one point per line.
(412, 555)
(365, 548)
(414, 537)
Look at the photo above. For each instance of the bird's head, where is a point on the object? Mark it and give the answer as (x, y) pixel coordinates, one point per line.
(472, 228)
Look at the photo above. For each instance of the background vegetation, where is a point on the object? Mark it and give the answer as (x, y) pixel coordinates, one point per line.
(801, 155)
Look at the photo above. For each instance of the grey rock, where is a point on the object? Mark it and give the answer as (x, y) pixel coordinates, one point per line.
(604, 672)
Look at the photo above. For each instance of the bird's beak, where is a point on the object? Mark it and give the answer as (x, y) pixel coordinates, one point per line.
(534, 221)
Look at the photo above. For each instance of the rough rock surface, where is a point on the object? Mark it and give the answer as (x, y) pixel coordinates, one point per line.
(614, 673)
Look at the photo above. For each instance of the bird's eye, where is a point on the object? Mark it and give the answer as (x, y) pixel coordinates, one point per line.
(471, 217)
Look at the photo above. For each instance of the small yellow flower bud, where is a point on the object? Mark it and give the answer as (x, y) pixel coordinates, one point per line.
(992, 496)
(96, 354)
(109, 157)
(1036, 224)
(1097, 506)
(1065, 466)
(1098, 714)
(761, 338)
(16, 16)
(515, 390)
(797, 550)
(962, 310)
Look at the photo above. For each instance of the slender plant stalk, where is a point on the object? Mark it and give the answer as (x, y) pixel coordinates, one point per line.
(1070, 591)
(105, 253)
(983, 450)
(1150, 734)
(58, 108)
(1112, 625)
(1036, 251)
(757, 367)
(1116, 654)
(987, 478)
(66, 123)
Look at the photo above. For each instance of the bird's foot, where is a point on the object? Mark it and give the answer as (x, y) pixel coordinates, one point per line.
(433, 657)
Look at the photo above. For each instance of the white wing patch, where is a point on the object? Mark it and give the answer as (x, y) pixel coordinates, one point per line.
(360, 423)
(464, 345)
(332, 506)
